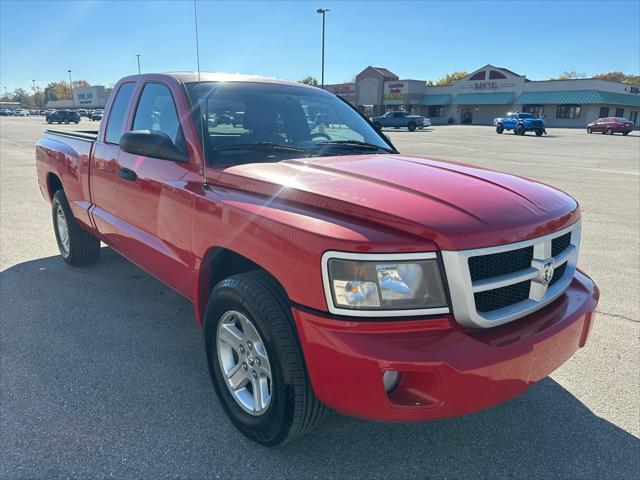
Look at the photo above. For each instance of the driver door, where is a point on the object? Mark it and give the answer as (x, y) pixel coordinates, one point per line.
(152, 197)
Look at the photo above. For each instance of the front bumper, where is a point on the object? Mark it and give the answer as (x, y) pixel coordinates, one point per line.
(445, 370)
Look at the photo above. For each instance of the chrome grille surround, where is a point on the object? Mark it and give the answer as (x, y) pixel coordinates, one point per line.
(462, 288)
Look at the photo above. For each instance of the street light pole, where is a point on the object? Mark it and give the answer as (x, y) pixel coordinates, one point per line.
(322, 11)
(34, 92)
(73, 100)
(138, 64)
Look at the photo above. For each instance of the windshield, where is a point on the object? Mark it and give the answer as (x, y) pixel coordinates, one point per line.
(245, 122)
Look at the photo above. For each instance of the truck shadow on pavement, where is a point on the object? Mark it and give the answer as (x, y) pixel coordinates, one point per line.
(103, 373)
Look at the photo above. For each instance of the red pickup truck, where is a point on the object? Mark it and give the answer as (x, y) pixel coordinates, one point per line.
(327, 269)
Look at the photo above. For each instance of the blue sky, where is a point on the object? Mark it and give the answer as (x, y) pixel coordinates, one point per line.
(98, 40)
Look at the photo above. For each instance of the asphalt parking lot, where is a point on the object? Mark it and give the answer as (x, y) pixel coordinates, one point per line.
(102, 369)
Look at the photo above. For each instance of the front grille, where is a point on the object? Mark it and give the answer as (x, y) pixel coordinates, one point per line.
(493, 285)
(560, 244)
(558, 274)
(496, 264)
(502, 297)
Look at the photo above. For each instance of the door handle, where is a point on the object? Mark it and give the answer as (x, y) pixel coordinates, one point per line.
(127, 174)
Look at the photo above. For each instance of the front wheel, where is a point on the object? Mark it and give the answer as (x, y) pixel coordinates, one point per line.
(589, 130)
(66, 121)
(625, 133)
(377, 126)
(519, 130)
(499, 129)
(255, 362)
(539, 132)
(77, 247)
(49, 121)
(609, 131)
(411, 126)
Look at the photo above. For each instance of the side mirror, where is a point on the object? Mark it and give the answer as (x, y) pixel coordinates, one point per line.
(152, 144)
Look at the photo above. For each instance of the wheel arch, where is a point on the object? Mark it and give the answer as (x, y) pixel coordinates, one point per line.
(217, 264)
(53, 184)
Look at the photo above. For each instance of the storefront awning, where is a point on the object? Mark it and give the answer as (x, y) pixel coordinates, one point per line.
(580, 97)
(441, 99)
(483, 99)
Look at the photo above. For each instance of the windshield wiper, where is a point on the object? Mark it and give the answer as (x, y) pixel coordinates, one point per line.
(261, 146)
(355, 145)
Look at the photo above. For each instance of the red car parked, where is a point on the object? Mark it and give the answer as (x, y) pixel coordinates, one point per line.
(328, 269)
(611, 125)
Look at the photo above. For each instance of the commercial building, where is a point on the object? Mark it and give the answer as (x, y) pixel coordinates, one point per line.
(83, 97)
(490, 92)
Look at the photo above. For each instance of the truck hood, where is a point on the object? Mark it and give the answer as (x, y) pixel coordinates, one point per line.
(454, 205)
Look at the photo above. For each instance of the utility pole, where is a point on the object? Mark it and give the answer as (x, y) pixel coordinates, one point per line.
(322, 11)
(34, 93)
(138, 63)
(73, 100)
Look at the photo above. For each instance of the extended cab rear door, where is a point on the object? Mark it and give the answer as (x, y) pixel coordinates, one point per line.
(104, 164)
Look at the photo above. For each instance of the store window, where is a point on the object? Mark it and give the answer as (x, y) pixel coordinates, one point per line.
(619, 112)
(570, 112)
(479, 76)
(535, 110)
(604, 112)
(436, 111)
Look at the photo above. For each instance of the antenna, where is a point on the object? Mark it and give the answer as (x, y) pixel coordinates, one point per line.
(195, 16)
(203, 121)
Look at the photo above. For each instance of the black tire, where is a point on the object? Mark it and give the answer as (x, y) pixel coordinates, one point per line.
(499, 129)
(539, 132)
(625, 133)
(519, 130)
(609, 131)
(589, 130)
(411, 126)
(49, 122)
(77, 122)
(84, 248)
(377, 125)
(294, 409)
(66, 121)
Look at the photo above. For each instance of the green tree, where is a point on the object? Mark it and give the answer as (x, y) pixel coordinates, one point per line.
(20, 95)
(448, 78)
(309, 80)
(57, 91)
(619, 77)
(569, 75)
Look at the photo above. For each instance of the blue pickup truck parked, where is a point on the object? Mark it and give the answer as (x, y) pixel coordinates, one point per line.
(520, 123)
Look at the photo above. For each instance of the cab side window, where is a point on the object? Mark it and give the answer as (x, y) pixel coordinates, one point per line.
(118, 114)
(157, 112)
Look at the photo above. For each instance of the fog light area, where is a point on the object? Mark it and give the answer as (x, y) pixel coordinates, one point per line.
(390, 379)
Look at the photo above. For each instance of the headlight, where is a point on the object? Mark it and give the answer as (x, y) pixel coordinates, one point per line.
(383, 284)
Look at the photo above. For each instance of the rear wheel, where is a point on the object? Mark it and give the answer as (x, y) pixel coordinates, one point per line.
(255, 362)
(589, 130)
(625, 133)
(49, 121)
(499, 128)
(609, 131)
(411, 126)
(77, 247)
(66, 121)
(519, 130)
(377, 125)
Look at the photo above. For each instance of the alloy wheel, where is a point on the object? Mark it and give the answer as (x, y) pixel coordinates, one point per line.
(63, 230)
(244, 362)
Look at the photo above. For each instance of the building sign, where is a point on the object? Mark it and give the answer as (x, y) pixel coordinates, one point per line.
(485, 85)
(395, 90)
(344, 90)
(632, 90)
